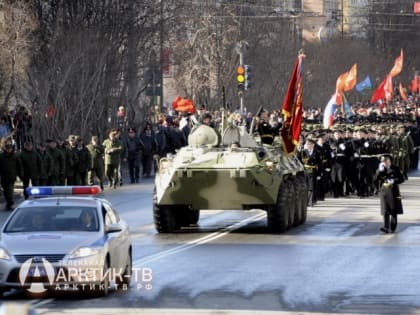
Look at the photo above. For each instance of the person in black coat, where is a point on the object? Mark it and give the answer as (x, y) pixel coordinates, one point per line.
(266, 131)
(389, 177)
(312, 162)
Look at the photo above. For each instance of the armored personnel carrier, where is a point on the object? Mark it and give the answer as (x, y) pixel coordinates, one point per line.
(246, 175)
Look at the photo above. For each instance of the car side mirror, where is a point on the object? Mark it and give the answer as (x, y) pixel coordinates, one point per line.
(113, 228)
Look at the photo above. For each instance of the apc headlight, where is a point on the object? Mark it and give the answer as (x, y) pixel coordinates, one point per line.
(269, 164)
(4, 254)
(164, 163)
(84, 252)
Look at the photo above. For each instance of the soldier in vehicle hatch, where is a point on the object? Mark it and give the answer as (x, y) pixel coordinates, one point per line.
(266, 131)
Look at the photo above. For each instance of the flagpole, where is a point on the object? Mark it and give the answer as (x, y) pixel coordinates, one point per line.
(343, 112)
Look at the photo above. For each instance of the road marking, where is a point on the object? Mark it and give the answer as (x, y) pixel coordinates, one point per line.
(38, 303)
(202, 240)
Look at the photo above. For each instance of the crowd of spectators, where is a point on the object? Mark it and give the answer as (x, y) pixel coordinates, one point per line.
(168, 130)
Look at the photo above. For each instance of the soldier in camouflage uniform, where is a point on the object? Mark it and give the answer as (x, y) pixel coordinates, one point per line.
(57, 163)
(112, 148)
(395, 145)
(96, 169)
(46, 164)
(406, 146)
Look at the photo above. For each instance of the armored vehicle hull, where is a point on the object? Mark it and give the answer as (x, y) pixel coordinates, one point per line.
(203, 176)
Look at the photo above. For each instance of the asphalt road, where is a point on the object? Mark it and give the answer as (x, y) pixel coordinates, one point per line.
(338, 262)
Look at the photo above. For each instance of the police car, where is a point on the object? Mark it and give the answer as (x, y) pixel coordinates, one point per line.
(65, 238)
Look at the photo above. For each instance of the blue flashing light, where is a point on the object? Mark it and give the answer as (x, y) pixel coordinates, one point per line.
(44, 191)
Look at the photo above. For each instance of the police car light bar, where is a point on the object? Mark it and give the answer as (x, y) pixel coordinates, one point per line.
(62, 190)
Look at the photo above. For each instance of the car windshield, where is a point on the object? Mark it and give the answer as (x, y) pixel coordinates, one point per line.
(53, 219)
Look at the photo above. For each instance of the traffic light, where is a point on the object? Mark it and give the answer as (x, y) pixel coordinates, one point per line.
(248, 76)
(240, 77)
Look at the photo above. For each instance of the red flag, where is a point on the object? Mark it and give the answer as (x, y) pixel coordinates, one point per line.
(50, 111)
(388, 88)
(398, 65)
(402, 93)
(415, 84)
(416, 7)
(293, 109)
(383, 91)
(347, 80)
(185, 105)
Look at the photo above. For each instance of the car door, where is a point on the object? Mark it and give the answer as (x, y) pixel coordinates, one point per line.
(116, 240)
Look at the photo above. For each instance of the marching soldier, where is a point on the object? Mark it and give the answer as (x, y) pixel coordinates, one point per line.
(361, 147)
(58, 163)
(46, 164)
(133, 147)
(313, 165)
(324, 150)
(148, 150)
(10, 168)
(83, 156)
(96, 167)
(31, 163)
(351, 174)
(112, 148)
(338, 163)
(72, 164)
(406, 146)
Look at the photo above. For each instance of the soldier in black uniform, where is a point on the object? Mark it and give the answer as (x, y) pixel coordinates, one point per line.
(389, 177)
(266, 131)
(415, 135)
(324, 150)
(361, 146)
(10, 168)
(338, 163)
(133, 146)
(351, 162)
(311, 160)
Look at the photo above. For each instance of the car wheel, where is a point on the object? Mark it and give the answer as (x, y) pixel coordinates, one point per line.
(126, 276)
(103, 288)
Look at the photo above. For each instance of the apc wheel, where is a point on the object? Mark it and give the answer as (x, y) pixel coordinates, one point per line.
(298, 196)
(291, 203)
(304, 198)
(278, 214)
(193, 216)
(185, 216)
(163, 217)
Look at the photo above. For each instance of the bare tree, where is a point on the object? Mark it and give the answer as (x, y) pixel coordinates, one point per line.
(17, 44)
